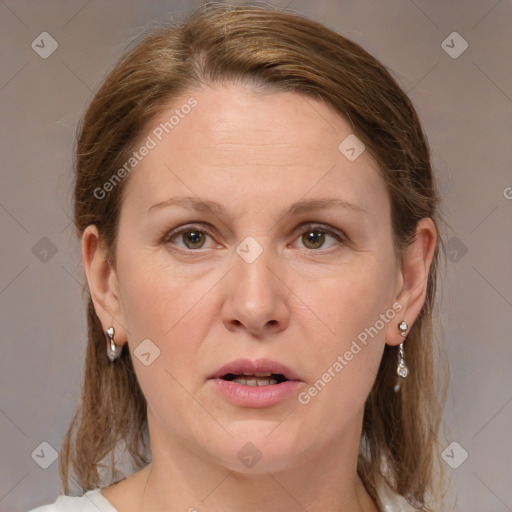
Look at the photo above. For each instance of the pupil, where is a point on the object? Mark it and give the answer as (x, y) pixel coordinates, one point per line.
(194, 238)
(314, 237)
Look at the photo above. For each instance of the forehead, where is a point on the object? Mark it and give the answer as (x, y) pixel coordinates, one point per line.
(264, 146)
(230, 118)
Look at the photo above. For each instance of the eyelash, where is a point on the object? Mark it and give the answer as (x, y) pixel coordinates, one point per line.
(317, 228)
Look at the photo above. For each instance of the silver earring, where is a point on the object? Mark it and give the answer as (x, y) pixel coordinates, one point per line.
(113, 350)
(402, 371)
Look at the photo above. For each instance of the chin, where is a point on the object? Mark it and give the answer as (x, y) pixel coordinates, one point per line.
(260, 447)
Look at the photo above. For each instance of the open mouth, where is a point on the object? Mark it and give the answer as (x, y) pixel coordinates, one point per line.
(256, 379)
(256, 383)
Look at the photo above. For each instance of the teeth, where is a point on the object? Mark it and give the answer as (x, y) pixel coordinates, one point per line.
(257, 381)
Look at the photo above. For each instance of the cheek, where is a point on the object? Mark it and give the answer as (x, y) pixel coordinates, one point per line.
(355, 308)
(157, 299)
(172, 312)
(350, 300)
(175, 312)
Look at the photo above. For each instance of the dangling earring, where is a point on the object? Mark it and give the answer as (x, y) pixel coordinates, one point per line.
(402, 371)
(113, 351)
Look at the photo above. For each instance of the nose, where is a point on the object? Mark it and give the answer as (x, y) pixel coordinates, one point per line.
(256, 297)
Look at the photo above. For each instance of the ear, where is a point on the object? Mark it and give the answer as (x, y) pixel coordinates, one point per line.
(103, 285)
(413, 279)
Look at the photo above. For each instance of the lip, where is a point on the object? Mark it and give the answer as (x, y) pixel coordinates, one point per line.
(255, 396)
(240, 366)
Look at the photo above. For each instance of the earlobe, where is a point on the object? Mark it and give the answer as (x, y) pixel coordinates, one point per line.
(102, 281)
(413, 277)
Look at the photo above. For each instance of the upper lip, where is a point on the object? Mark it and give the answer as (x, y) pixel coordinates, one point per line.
(248, 367)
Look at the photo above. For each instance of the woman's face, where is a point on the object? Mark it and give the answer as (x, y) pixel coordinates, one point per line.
(248, 233)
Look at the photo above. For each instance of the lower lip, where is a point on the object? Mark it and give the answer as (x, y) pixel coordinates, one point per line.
(256, 396)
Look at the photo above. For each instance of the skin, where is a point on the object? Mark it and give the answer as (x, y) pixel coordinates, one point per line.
(300, 303)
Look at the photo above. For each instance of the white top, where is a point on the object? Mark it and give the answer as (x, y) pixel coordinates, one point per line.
(91, 501)
(94, 501)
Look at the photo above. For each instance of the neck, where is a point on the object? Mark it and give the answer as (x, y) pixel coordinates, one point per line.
(180, 479)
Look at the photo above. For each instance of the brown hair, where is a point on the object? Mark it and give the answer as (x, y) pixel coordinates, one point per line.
(282, 51)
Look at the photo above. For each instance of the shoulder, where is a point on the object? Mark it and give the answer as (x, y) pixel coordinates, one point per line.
(390, 500)
(91, 501)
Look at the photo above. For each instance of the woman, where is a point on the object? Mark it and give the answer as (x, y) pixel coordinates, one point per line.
(259, 229)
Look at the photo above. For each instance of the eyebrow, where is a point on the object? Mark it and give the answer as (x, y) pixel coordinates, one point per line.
(303, 206)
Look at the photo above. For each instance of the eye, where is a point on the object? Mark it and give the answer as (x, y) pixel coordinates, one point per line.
(190, 237)
(315, 237)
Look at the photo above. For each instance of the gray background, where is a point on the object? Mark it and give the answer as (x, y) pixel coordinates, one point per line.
(465, 104)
